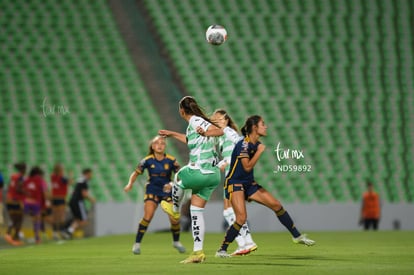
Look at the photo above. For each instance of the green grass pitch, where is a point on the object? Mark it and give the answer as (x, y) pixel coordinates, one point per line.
(335, 253)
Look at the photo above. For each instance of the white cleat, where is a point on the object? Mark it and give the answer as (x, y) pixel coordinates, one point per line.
(303, 239)
(136, 249)
(241, 251)
(251, 247)
(179, 247)
(222, 254)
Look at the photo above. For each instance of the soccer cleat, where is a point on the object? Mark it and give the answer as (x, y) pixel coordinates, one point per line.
(241, 251)
(179, 247)
(56, 236)
(66, 234)
(222, 254)
(168, 208)
(18, 243)
(9, 239)
(136, 249)
(195, 257)
(303, 239)
(251, 246)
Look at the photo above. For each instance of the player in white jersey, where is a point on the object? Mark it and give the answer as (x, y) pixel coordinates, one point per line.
(201, 175)
(226, 144)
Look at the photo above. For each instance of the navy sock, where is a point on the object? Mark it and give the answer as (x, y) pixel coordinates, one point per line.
(287, 221)
(231, 234)
(142, 228)
(175, 230)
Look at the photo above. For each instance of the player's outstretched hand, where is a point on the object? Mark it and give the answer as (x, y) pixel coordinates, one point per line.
(200, 131)
(164, 133)
(127, 188)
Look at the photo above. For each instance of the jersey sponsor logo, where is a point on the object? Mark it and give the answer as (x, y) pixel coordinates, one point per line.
(152, 166)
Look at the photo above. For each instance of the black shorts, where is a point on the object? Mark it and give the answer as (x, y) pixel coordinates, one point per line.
(78, 210)
(248, 189)
(57, 202)
(156, 199)
(14, 207)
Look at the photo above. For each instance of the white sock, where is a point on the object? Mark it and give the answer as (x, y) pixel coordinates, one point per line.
(229, 216)
(177, 196)
(197, 226)
(248, 237)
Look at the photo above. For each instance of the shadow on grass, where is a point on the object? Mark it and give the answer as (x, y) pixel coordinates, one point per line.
(298, 257)
(252, 264)
(275, 260)
(301, 258)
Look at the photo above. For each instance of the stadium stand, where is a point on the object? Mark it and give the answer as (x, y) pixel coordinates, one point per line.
(70, 93)
(332, 78)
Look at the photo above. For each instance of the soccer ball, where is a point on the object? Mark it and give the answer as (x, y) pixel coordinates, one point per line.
(216, 35)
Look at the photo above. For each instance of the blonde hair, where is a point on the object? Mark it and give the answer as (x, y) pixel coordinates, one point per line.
(150, 150)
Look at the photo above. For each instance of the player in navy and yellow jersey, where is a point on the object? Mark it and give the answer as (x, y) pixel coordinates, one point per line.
(160, 167)
(241, 185)
(226, 145)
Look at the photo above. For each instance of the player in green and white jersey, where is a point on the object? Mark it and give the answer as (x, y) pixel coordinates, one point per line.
(226, 144)
(201, 175)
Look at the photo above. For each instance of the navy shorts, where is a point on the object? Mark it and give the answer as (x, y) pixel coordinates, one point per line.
(157, 199)
(248, 189)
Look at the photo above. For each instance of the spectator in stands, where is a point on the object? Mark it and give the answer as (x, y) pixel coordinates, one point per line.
(60, 185)
(14, 204)
(371, 208)
(35, 196)
(77, 203)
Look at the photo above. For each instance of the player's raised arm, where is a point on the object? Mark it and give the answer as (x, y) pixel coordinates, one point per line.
(212, 131)
(178, 136)
(248, 164)
(131, 181)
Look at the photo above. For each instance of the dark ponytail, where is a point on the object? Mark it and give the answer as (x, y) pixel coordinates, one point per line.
(190, 107)
(230, 123)
(248, 125)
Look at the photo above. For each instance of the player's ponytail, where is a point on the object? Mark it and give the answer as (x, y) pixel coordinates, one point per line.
(230, 122)
(190, 107)
(248, 125)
